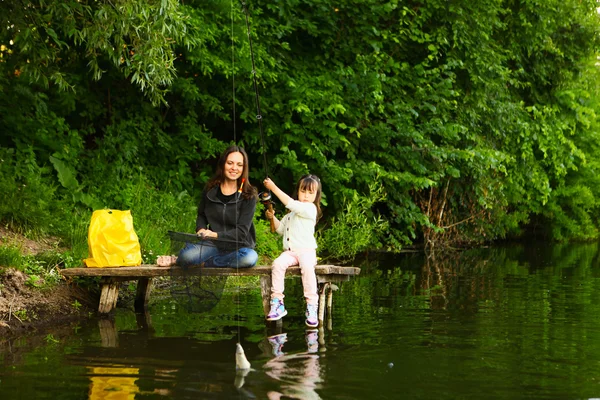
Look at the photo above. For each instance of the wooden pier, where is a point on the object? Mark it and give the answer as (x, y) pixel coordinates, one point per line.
(327, 277)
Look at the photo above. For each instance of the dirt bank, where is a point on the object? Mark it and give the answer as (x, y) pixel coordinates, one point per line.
(24, 308)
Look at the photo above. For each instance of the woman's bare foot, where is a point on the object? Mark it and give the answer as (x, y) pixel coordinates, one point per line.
(166, 261)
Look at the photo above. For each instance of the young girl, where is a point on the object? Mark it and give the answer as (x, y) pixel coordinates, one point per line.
(299, 245)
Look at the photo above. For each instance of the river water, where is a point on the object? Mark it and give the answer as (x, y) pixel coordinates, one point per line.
(520, 321)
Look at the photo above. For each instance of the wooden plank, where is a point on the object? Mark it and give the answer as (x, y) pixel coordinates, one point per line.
(326, 274)
(149, 271)
(115, 295)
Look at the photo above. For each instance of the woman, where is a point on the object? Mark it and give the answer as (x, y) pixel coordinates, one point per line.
(225, 218)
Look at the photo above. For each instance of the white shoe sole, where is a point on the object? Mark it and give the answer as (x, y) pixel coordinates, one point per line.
(278, 317)
(310, 325)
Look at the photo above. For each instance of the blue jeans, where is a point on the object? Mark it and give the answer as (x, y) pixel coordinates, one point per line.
(211, 256)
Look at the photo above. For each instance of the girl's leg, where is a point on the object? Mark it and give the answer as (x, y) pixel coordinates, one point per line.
(243, 258)
(308, 261)
(280, 265)
(196, 254)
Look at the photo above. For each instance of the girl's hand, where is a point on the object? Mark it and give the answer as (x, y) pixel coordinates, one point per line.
(269, 214)
(269, 184)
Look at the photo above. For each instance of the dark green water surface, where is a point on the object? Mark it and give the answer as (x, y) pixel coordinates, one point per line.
(521, 321)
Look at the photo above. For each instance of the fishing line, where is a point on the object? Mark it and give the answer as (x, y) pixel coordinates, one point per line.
(266, 170)
(233, 76)
(256, 95)
(237, 259)
(239, 192)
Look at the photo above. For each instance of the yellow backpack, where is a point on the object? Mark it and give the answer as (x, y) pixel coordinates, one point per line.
(112, 241)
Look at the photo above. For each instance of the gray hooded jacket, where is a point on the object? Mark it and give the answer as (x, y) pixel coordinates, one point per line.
(232, 221)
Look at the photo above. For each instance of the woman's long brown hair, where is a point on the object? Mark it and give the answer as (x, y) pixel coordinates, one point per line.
(248, 191)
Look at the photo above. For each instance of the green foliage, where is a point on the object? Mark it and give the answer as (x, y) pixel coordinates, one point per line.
(50, 339)
(67, 178)
(10, 256)
(135, 37)
(27, 205)
(73, 229)
(356, 229)
(476, 119)
(268, 244)
(572, 211)
(23, 315)
(156, 212)
(41, 270)
(33, 281)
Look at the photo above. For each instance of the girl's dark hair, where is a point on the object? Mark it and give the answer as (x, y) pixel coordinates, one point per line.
(248, 191)
(307, 182)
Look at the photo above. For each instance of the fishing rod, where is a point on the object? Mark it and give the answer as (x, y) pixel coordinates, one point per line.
(242, 364)
(256, 95)
(264, 197)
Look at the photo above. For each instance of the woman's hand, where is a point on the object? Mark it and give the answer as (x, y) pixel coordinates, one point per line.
(207, 234)
(166, 261)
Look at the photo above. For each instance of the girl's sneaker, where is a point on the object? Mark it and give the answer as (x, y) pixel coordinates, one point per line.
(277, 342)
(312, 340)
(311, 316)
(278, 310)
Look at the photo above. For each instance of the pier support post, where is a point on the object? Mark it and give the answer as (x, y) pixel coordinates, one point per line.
(144, 288)
(322, 297)
(108, 296)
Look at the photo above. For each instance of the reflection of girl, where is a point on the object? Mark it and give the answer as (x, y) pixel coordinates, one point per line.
(225, 218)
(299, 245)
(299, 374)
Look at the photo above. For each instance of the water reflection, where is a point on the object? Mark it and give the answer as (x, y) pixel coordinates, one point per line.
(120, 382)
(299, 374)
(508, 323)
(113, 383)
(174, 367)
(108, 332)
